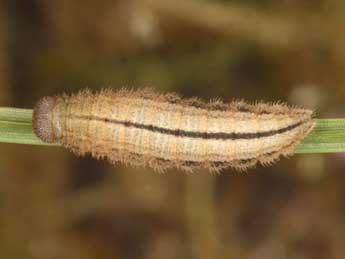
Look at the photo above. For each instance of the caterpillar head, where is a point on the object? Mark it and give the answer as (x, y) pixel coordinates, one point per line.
(42, 119)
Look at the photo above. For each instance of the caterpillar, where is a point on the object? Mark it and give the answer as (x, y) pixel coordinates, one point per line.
(163, 131)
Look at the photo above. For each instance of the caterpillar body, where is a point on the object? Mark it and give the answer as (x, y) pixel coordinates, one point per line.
(162, 131)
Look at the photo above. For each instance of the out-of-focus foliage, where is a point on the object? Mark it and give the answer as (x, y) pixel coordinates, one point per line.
(54, 205)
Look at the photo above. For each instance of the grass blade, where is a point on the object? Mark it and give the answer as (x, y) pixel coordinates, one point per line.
(16, 127)
(327, 137)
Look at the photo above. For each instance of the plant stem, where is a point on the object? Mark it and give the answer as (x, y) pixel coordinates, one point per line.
(327, 137)
(16, 127)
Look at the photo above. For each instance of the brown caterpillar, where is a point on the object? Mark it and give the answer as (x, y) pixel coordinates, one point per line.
(143, 128)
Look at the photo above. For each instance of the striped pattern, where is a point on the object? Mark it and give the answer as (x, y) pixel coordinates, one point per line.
(143, 128)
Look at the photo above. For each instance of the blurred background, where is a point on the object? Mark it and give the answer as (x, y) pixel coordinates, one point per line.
(56, 205)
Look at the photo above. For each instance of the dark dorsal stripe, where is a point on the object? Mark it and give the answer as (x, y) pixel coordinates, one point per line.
(193, 134)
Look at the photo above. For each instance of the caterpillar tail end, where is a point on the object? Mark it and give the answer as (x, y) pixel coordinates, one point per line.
(42, 119)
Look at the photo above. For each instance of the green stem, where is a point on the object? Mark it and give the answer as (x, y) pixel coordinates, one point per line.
(16, 127)
(327, 137)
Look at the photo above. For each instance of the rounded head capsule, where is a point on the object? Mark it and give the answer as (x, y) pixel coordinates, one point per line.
(42, 119)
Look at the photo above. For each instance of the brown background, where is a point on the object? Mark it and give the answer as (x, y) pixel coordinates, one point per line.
(55, 205)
